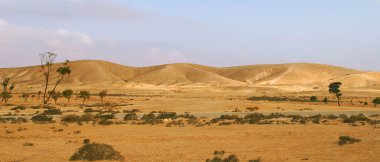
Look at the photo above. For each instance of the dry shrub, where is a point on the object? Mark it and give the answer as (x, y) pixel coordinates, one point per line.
(95, 151)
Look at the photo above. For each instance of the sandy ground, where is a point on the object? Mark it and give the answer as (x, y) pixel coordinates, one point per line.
(160, 143)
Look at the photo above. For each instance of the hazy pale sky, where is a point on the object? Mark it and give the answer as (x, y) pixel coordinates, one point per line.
(210, 32)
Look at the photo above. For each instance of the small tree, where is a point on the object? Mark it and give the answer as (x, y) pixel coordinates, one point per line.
(55, 96)
(334, 88)
(376, 101)
(47, 61)
(85, 95)
(6, 93)
(102, 94)
(67, 94)
(313, 99)
(25, 96)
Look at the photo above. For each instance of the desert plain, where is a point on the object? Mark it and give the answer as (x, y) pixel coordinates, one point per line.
(206, 94)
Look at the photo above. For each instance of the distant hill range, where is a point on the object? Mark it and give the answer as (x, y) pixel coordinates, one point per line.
(295, 76)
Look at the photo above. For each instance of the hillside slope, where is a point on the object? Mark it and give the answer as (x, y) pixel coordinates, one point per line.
(102, 74)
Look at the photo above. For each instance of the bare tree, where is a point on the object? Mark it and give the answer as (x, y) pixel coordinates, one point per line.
(47, 61)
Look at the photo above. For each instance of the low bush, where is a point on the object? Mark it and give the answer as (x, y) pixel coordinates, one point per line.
(52, 112)
(88, 117)
(42, 119)
(71, 118)
(90, 110)
(18, 108)
(219, 157)
(256, 160)
(13, 120)
(167, 115)
(94, 151)
(132, 111)
(28, 144)
(313, 99)
(105, 122)
(347, 140)
(105, 115)
(130, 116)
(354, 118)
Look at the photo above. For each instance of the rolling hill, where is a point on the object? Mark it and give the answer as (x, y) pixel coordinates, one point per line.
(102, 74)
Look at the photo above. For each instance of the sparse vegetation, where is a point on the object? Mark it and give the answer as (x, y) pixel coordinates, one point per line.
(18, 108)
(28, 144)
(42, 119)
(25, 96)
(52, 112)
(219, 157)
(130, 116)
(94, 151)
(343, 140)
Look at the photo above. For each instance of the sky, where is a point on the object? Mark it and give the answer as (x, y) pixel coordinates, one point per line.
(209, 32)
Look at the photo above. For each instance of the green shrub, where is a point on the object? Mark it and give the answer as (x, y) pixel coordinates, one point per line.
(94, 151)
(313, 99)
(347, 140)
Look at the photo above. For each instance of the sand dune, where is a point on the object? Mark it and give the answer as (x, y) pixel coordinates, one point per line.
(102, 74)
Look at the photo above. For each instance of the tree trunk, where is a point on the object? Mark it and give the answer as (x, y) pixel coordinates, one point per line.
(338, 101)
